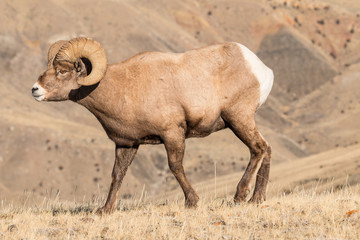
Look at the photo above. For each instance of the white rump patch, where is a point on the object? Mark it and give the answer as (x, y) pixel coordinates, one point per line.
(39, 93)
(264, 75)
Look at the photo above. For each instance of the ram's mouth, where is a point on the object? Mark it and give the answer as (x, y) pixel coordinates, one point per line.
(38, 92)
(39, 98)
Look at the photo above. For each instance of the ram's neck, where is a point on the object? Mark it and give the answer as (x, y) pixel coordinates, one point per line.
(91, 97)
(95, 95)
(106, 102)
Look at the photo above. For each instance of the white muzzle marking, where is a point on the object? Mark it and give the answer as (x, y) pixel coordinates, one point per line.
(38, 92)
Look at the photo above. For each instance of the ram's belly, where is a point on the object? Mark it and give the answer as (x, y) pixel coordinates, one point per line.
(150, 139)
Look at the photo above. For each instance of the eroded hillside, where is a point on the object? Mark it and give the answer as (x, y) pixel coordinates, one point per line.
(314, 106)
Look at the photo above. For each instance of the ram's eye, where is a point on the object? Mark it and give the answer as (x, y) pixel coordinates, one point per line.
(61, 71)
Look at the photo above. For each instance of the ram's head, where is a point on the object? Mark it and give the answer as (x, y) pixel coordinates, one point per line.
(72, 64)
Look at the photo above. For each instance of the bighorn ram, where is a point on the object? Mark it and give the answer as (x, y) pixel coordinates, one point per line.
(155, 98)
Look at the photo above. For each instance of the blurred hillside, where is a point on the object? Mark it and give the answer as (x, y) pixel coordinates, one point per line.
(314, 107)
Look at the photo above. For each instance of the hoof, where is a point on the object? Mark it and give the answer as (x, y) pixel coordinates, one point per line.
(104, 211)
(241, 196)
(190, 205)
(257, 199)
(191, 201)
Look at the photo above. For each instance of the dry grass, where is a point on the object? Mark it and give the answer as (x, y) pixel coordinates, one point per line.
(300, 215)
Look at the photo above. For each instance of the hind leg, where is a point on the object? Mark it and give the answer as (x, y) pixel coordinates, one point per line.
(262, 179)
(244, 127)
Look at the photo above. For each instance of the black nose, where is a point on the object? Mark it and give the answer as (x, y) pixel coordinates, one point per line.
(34, 89)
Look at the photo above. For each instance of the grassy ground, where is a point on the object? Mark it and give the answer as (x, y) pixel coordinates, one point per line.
(300, 215)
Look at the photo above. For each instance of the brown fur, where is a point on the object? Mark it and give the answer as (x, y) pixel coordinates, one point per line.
(155, 98)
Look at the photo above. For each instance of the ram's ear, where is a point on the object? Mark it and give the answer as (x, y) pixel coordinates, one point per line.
(80, 68)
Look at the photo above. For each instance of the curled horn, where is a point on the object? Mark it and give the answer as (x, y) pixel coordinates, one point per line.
(54, 49)
(80, 48)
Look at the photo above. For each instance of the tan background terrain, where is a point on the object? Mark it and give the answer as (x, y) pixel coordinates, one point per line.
(311, 117)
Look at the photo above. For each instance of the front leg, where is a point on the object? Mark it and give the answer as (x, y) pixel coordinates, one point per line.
(174, 143)
(123, 159)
